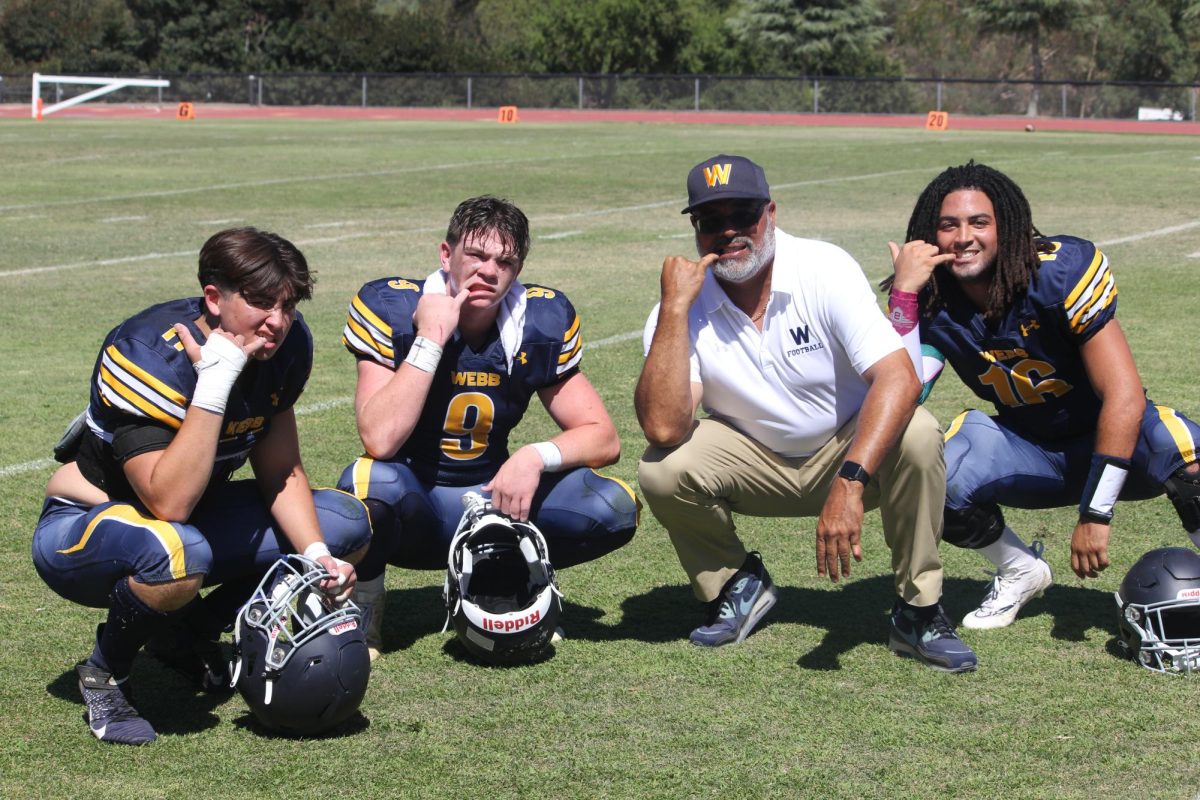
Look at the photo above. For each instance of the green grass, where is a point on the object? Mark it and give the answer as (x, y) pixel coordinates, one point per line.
(813, 704)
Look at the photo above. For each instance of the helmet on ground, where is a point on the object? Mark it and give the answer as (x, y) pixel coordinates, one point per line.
(1159, 611)
(500, 591)
(299, 660)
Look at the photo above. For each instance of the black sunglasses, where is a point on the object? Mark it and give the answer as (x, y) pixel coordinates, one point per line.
(738, 218)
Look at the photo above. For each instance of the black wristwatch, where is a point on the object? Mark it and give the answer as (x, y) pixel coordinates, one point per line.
(854, 472)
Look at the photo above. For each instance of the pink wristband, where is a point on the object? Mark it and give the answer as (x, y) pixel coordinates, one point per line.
(902, 310)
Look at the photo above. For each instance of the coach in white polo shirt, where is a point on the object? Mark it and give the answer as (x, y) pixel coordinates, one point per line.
(811, 411)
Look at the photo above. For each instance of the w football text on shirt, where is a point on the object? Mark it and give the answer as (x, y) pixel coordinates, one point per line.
(801, 337)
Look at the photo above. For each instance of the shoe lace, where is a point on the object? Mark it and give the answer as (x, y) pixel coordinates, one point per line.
(726, 610)
(940, 625)
(111, 705)
(1000, 581)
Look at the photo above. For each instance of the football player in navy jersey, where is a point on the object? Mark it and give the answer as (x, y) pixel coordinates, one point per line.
(446, 368)
(1029, 324)
(142, 514)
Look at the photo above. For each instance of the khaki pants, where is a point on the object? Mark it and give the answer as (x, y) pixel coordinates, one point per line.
(695, 488)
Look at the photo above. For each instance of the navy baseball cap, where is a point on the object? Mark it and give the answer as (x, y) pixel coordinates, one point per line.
(725, 178)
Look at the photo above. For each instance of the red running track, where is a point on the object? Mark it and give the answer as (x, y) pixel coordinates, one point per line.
(536, 115)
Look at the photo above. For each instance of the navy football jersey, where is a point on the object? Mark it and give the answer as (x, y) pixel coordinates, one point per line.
(461, 437)
(143, 381)
(1028, 365)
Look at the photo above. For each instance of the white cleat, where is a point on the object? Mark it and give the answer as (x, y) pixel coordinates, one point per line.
(1007, 595)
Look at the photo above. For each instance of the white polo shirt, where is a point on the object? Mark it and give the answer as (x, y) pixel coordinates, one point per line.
(792, 385)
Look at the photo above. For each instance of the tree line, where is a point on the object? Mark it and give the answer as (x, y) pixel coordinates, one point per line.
(1150, 40)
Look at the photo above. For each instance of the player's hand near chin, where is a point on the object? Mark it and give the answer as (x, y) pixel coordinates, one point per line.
(195, 350)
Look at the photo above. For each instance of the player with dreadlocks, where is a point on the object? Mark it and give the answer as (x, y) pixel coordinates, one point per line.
(1028, 323)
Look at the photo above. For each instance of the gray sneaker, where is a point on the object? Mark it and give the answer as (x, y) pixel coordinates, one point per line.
(744, 600)
(927, 635)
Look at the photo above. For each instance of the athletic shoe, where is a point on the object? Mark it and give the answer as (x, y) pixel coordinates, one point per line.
(927, 635)
(1009, 591)
(371, 597)
(110, 714)
(744, 600)
(201, 662)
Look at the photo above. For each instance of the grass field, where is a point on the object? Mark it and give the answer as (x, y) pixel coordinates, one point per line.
(100, 219)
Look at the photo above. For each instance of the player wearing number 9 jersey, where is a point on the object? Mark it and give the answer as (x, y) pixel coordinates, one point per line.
(1029, 324)
(446, 369)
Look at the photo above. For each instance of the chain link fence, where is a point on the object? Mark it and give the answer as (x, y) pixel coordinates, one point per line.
(1068, 99)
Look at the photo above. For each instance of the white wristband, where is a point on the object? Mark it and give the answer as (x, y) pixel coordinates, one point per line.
(221, 362)
(424, 354)
(551, 456)
(316, 550)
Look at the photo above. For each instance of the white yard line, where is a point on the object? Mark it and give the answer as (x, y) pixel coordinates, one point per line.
(332, 224)
(28, 466)
(336, 176)
(1137, 237)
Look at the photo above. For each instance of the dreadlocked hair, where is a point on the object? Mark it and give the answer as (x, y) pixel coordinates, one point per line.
(1017, 239)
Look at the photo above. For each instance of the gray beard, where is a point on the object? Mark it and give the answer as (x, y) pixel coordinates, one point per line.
(752, 263)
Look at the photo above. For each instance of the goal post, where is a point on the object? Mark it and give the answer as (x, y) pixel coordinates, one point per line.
(103, 86)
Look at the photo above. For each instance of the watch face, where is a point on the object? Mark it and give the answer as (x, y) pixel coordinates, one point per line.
(854, 472)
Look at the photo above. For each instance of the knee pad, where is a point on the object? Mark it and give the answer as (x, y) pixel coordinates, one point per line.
(1184, 492)
(343, 519)
(973, 527)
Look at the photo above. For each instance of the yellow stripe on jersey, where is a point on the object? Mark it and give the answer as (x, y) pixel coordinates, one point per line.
(567, 355)
(1179, 432)
(572, 345)
(1088, 276)
(1094, 292)
(362, 336)
(145, 377)
(367, 314)
(955, 425)
(131, 397)
(165, 532)
(365, 333)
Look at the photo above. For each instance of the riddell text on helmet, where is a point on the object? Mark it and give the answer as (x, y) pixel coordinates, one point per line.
(511, 625)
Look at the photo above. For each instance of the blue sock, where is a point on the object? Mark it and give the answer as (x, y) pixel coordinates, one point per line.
(130, 625)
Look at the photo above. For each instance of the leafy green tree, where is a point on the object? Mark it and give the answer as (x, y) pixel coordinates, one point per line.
(72, 36)
(1028, 20)
(824, 37)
